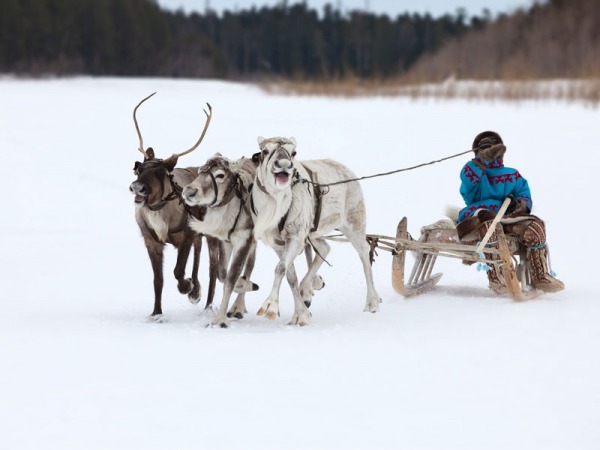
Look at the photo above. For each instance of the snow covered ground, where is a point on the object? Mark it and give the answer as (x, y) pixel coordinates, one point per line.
(457, 368)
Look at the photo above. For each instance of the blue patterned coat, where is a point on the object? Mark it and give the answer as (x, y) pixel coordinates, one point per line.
(487, 188)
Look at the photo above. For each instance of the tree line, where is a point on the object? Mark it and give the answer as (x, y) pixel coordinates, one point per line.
(549, 40)
(139, 38)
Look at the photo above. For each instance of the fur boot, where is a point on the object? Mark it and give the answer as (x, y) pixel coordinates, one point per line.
(537, 258)
(496, 281)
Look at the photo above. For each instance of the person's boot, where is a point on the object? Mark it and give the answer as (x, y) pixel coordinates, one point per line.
(496, 283)
(534, 238)
(540, 275)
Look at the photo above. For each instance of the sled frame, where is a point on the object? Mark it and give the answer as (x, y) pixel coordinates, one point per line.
(511, 262)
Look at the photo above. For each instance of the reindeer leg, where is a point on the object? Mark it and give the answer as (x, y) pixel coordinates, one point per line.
(270, 307)
(287, 254)
(317, 283)
(225, 250)
(244, 284)
(183, 252)
(307, 283)
(301, 315)
(194, 295)
(359, 242)
(239, 306)
(213, 268)
(155, 252)
(239, 258)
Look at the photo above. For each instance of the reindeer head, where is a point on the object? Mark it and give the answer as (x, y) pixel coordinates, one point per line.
(215, 184)
(276, 162)
(154, 174)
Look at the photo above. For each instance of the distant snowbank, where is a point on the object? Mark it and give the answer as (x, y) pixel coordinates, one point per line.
(586, 91)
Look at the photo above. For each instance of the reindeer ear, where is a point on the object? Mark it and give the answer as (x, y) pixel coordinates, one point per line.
(136, 166)
(293, 141)
(170, 162)
(256, 158)
(150, 154)
(260, 140)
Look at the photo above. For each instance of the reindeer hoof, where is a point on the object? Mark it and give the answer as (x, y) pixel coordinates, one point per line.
(244, 285)
(318, 283)
(194, 295)
(235, 315)
(271, 315)
(301, 320)
(156, 318)
(372, 308)
(220, 322)
(185, 286)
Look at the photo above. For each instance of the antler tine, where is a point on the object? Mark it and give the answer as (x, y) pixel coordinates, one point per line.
(141, 148)
(208, 119)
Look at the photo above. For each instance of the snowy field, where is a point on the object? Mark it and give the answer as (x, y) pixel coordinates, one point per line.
(457, 368)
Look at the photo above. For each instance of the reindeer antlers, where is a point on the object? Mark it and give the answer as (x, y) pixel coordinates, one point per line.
(208, 119)
(141, 147)
(176, 155)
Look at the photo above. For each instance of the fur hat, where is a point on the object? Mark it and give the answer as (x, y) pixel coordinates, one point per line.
(486, 138)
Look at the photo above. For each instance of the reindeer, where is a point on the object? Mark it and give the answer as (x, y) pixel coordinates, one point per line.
(162, 217)
(291, 211)
(221, 188)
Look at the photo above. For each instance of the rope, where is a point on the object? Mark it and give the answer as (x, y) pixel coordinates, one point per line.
(385, 173)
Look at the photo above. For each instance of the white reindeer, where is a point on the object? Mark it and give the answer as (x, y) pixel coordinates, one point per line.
(222, 188)
(290, 214)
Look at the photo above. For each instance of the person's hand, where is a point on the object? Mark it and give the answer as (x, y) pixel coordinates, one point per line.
(492, 153)
(516, 207)
(479, 163)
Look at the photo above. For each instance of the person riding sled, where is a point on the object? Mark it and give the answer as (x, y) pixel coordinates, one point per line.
(485, 184)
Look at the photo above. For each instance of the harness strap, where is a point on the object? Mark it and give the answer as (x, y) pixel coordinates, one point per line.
(175, 193)
(282, 221)
(318, 192)
(240, 195)
(317, 251)
(261, 187)
(252, 208)
(232, 190)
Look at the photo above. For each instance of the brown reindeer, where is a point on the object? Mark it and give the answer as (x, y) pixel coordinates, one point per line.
(162, 217)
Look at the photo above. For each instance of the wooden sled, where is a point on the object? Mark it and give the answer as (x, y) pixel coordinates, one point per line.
(441, 239)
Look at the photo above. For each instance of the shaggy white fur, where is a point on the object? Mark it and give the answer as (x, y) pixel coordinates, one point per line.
(285, 210)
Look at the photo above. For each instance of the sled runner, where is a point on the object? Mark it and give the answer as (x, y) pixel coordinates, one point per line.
(441, 239)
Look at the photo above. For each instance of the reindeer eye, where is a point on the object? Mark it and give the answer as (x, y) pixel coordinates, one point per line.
(265, 152)
(219, 176)
(293, 153)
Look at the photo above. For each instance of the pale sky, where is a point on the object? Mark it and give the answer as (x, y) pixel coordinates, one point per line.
(390, 7)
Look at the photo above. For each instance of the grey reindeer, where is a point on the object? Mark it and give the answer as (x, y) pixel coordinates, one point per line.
(221, 186)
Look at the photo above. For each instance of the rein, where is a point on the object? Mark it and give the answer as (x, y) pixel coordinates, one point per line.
(303, 180)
